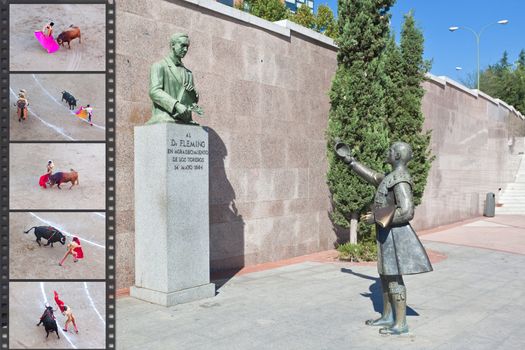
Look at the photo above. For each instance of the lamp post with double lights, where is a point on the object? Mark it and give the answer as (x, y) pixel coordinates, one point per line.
(478, 35)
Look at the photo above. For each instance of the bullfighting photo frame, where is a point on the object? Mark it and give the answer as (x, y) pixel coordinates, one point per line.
(57, 256)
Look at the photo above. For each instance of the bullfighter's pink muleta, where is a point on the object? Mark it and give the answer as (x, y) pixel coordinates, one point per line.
(47, 42)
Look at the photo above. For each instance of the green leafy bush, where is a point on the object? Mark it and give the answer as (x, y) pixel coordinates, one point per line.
(362, 251)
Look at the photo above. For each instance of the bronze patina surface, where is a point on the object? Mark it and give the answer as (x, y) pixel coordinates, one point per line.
(172, 89)
(399, 250)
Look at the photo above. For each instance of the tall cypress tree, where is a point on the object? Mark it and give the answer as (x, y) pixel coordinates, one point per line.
(406, 70)
(358, 111)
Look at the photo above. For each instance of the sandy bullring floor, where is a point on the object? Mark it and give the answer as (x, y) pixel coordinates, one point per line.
(26, 304)
(26, 53)
(28, 163)
(49, 118)
(25, 254)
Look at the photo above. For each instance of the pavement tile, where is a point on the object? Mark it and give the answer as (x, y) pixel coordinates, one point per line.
(474, 299)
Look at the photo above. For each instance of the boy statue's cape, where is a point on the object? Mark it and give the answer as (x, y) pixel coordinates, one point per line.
(47, 42)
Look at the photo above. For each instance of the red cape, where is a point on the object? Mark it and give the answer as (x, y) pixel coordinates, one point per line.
(43, 180)
(59, 302)
(78, 250)
(80, 253)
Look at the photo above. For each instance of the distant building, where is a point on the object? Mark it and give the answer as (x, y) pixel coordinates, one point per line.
(293, 5)
(228, 2)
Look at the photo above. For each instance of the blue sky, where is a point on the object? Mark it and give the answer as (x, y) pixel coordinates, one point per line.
(451, 49)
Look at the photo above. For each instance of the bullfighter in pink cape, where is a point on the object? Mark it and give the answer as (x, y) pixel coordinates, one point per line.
(45, 38)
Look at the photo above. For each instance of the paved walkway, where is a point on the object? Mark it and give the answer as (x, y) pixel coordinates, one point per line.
(474, 299)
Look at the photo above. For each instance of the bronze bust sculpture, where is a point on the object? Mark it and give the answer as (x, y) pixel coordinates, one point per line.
(172, 89)
(399, 250)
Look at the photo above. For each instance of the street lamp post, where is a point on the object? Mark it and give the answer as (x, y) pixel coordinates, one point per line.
(477, 35)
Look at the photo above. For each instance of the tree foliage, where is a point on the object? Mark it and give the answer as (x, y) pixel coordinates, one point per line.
(406, 70)
(325, 22)
(274, 10)
(505, 81)
(357, 115)
(271, 10)
(304, 16)
(376, 100)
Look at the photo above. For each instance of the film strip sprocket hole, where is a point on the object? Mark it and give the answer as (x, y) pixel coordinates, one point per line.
(4, 175)
(110, 174)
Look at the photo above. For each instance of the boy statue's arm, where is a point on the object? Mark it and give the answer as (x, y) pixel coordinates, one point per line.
(371, 176)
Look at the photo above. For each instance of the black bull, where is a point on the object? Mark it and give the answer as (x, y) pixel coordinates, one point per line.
(50, 324)
(48, 232)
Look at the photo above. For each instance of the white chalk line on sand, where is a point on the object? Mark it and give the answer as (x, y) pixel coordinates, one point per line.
(66, 232)
(93, 304)
(56, 128)
(60, 103)
(60, 328)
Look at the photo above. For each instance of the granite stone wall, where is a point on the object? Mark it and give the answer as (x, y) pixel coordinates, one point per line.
(264, 89)
(264, 92)
(476, 141)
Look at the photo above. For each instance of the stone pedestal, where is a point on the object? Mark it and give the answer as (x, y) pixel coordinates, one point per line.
(172, 250)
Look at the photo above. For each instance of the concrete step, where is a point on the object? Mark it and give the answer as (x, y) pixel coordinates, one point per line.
(509, 205)
(509, 213)
(512, 206)
(513, 210)
(513, 195)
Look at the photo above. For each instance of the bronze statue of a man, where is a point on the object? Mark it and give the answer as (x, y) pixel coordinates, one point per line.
(171, 86)
(399, 250)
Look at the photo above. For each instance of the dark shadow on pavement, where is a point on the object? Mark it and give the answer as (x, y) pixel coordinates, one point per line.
(375, 294)
(226, 224)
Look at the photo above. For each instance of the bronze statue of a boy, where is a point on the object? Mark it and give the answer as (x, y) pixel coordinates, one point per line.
(172, 89)
(399, 250)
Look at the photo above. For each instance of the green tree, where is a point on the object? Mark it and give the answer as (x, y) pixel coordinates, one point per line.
(325, 22)
(505, 81)
(406, 70)
(521, 59)
(271, 10)
(275, 10)
(357, 112)
(304, 16)
(520, 82)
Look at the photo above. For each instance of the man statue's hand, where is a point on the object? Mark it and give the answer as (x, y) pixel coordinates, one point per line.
(180, 108)
(197, 109)
(368, 218)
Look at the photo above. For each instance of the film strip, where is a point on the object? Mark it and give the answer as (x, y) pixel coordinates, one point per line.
(4, 174)
(110, 142)
(110, 175)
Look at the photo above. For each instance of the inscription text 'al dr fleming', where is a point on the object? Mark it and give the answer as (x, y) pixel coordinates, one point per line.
(187, 154)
